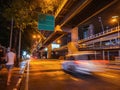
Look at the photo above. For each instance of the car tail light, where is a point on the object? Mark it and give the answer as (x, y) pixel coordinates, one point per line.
(80, 62)
(77, 62)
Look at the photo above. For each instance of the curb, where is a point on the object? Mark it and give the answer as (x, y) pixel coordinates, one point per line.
(17, 86)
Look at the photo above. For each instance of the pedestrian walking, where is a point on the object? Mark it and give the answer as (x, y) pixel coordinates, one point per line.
(11, 58)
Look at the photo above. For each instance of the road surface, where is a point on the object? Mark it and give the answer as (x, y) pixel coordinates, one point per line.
(48, 75)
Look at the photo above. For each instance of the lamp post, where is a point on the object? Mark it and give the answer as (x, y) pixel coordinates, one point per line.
(36, 40)
(19, 46)
(11, 32)
(116, 19)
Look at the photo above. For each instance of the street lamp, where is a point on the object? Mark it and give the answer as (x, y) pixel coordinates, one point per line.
(116, 19)
(58, 41)
(38, 36)
(11, 32)
(35, 41)
(34, 36)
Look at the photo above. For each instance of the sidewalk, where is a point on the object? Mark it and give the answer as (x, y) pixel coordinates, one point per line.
(15, 80)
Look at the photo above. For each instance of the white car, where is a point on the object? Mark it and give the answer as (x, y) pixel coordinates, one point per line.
(84, 65)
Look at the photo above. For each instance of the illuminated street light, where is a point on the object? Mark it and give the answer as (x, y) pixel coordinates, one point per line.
(36, 39)
(38, 36)
(116, 19)
(34, 36)
(58, 41)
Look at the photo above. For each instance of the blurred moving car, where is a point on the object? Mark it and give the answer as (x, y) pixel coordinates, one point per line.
(82, 63)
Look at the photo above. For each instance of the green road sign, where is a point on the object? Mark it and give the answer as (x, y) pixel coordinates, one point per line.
(46, 22)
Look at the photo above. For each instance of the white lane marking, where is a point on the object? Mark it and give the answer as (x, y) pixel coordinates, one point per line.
(75, 79)
(108, 75)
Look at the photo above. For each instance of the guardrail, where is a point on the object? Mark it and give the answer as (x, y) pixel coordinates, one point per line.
(109, 31)
(101, 47)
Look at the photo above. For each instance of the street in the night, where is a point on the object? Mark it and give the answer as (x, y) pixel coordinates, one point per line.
(48, 75)
(60, 45)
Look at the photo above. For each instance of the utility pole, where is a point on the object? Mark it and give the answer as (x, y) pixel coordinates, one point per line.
(19, 47)
(116, 19)
(11, 32)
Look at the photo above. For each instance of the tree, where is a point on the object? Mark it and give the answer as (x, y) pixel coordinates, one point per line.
(25, 13)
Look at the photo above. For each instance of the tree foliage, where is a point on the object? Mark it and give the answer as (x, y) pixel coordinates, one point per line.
(25, 13)
(19, 10)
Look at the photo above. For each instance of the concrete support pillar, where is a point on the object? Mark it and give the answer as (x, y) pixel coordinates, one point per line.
(103, 55)
(101, 42)
(49, 51)
(118, 53)
(95, 55)
(73, 45)
(74, 34)
(108, 55)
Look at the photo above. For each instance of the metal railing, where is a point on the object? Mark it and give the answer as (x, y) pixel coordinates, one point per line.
(101, 47)
(109, 31)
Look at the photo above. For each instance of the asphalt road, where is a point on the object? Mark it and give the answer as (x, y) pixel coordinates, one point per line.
(48, 75)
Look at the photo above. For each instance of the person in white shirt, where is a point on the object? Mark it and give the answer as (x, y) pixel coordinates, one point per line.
(11, 57)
